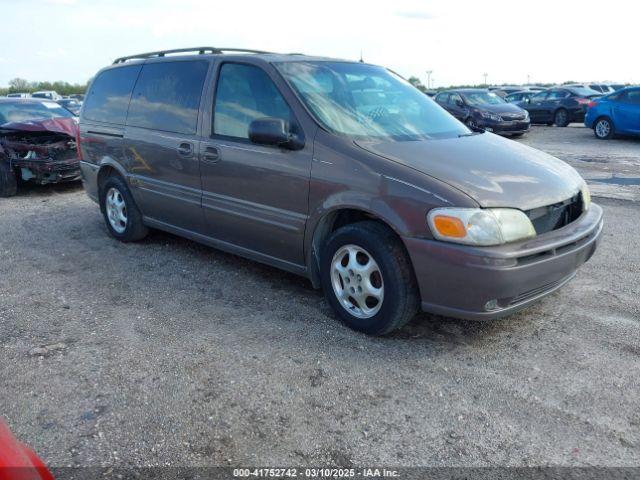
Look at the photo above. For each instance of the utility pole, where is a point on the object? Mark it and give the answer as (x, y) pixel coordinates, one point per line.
(429, 72)
(528, 80)
(485, 75)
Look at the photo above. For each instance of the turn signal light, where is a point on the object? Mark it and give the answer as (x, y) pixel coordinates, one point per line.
(449, 226)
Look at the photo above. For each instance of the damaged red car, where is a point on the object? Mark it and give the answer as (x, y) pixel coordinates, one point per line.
(37, 144)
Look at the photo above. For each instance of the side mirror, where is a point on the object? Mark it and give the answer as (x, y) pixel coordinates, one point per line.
(273, 131)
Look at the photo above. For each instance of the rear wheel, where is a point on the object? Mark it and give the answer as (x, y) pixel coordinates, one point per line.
(368, 279)
(561, 118)
(8, 181)
(120, 211)
(603, 128)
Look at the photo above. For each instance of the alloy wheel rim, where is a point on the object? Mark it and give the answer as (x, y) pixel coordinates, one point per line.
(603, 128)
(357, 281)
(116, 210)
(561, 117)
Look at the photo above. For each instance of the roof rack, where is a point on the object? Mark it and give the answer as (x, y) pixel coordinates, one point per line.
(200, 50)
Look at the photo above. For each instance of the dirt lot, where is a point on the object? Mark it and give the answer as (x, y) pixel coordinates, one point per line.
(612, 168)
(168, 352)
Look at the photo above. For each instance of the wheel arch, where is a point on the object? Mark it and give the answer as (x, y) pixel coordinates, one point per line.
(332, 220)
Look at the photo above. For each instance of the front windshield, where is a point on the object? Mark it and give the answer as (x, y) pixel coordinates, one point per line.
(25, 111)
(483, 98)
(362, 100)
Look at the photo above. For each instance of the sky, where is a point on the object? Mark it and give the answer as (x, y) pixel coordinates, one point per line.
(458, 40)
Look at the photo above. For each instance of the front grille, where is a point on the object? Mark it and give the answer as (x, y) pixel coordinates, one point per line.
(552, 217)
(523, 297)
(512, 116)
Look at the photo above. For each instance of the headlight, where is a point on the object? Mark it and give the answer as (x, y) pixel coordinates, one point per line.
(586, 197)
(478, 226)
(526, 115)
(492, 116)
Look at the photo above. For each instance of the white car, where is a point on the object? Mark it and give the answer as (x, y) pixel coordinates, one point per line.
(50, 94)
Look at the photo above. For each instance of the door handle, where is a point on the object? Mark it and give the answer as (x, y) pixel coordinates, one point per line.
(212, 154)
(185, 149)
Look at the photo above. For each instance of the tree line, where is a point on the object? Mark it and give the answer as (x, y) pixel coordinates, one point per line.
(20, 85)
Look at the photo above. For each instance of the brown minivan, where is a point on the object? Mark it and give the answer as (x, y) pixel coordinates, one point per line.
(339, 171)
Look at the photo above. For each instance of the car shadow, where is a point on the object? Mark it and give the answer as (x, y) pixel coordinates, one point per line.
(26, 189)
(426, 329)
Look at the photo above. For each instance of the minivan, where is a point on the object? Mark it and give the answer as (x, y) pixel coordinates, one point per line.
(338, 171)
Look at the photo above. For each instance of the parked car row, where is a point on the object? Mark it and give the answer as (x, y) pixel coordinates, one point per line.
(73, 102)
(615, 113)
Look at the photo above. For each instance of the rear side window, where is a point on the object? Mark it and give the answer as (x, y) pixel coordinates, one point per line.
(633, 96)
(442, 98)
(558, 94)
(108, 99)
(167, 96)
(454, 98)
(245, 93)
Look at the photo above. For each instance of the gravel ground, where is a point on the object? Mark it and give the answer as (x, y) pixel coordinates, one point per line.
(611, 167)
(168, 352)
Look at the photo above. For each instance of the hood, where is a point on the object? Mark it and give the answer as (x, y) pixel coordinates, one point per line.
(67, 126)
(494, 171)
(499, 108)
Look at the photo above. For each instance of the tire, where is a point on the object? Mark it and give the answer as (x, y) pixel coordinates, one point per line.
(561, 118)
(603, 128)
(8, 181)
(517, 135)
(120, 212)
(394, 279)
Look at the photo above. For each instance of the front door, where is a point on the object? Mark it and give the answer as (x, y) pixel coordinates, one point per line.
(626, 112)
(456, 107)
(535, 105)
(254, 197)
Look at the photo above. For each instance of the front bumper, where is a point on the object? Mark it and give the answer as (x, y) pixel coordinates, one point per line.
(482, 283)
(515, 127)
(44, 172)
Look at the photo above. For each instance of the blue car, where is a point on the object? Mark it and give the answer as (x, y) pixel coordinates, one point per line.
(616, 113)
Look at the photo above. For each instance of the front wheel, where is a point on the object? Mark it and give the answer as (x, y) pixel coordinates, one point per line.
(120, 211)
(368, 279)
(603, 128)
(8, 182)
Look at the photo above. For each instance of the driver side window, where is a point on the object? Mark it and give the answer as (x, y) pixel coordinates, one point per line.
(245, 93)
(454, 98)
